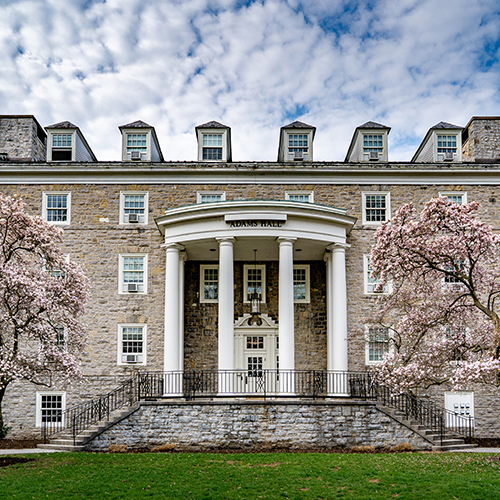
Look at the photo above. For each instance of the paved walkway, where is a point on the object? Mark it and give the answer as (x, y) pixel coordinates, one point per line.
(29, 450)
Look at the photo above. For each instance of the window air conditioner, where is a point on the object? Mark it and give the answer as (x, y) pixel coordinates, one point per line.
(298, 155)
(135, 155)
(373, 155)
(133, 217)
(132, 287)
(132, 358)
(448, 156)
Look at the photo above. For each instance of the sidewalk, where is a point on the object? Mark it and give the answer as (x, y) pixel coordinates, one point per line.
(28, 451)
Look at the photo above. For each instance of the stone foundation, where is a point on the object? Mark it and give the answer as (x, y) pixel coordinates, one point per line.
(258, 426)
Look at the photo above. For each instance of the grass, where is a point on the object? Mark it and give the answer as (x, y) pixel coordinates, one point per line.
(253, 476)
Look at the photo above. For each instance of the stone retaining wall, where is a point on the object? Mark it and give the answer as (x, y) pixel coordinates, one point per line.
(257, 426)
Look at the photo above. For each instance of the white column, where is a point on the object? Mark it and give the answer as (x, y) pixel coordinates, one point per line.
(182, 260)
(226, 312)
(286, 315)
(336, 319)
(173, 382)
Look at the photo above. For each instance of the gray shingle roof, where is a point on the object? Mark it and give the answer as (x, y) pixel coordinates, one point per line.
(445, 125)
(212, 124)
(373, 125)
(137, 124)
(62, 125)
(297, 124)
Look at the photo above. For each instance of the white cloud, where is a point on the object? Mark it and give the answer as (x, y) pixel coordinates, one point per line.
(177, 64)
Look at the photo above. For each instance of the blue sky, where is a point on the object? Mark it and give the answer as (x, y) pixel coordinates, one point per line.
(252, 65)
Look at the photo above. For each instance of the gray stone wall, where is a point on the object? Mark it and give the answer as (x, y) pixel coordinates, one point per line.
(483, 141)
(258, 426)
(21, 138)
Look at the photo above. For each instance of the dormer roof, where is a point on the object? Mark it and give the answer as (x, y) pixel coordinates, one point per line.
(297, 124)
(136, 124)
(212, 124)
(283, 145)
(66, 125)
(354, 141)
(225, 131)
(154, 152)
(438, 126)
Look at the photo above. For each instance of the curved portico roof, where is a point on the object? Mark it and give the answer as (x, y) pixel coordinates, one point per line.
(255, 225)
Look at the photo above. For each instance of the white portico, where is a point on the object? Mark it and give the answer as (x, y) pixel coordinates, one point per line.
(232, 231)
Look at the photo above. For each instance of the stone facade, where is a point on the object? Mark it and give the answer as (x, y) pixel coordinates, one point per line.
(311, 426)
(481, 140)
(95, 239)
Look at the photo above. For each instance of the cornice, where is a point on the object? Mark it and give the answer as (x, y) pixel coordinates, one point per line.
(249, 173)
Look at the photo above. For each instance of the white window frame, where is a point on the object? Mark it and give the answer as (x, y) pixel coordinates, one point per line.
(288, 194)
(144, 151)
(290, 155)
(366, 277)
(246, 267)
(368, 361)
(63, 347)
(38, 411)
(61, 148)
(216, 131)
(121, 326)
(447, 194)
(45, 195)
(387, 196)
(307, 299)
(200, 194)
(379, 149)
(121, 283)
(203, 300)
(124, 217)
(457, 154)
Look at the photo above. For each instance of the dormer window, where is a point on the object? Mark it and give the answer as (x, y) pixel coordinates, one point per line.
(443, 142)
(62, 149)
(296, 142)
(137, 146)
(369, 143)
(212, 146)
(214, 142)
(447, 146)
(139, 142)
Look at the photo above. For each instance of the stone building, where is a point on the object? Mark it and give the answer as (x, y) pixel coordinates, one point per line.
(181, 255)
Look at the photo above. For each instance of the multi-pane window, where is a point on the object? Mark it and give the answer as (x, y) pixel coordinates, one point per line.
(255, 342)
(137, 146)
(62, 147)
(302, 196)
(209, 281)
(371, 282)
(456, 197)
(56, 208)
(375, 208)
(255, 366)
(301, 283)
(254, 282)
(298, 142)
(132, 344)
(212, 146)
(60, 338)
(134, 208)
(133, 273)
(49, 408)
(211, 197)
(372, 143)
(377, 344)
(61, 271)
(446, 143)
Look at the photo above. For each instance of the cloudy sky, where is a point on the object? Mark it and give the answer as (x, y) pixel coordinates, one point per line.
(254, 66)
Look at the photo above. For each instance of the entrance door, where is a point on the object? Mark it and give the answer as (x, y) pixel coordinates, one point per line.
(256, 359)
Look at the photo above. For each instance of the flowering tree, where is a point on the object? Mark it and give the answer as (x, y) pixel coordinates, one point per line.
(442, 314)
(41, 301)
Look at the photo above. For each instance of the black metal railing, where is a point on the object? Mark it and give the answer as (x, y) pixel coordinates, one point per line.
(262, 383)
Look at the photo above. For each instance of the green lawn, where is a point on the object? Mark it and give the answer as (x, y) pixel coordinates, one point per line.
(253, 476)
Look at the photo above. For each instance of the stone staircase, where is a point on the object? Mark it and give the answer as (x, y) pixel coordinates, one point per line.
(450, 443)
(64, 441)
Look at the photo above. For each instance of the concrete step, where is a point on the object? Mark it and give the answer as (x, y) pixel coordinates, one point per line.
(455, 447)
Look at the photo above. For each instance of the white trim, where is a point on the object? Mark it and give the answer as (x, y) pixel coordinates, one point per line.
(51, 134)
(38, 411)
(449, 404)
(366, 272)
(199, 195)
(307, 300)
(67, 222)
(202, 283)
(146, 155)
(144, 221)
(387, 195)
(246, 267)
(121, 284)
(300, 193)
(120, 354)
(446, 194)
(307, 155)
(213, 131)
(457, 156)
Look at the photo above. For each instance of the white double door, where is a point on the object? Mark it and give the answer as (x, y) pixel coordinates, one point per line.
(256, 359)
